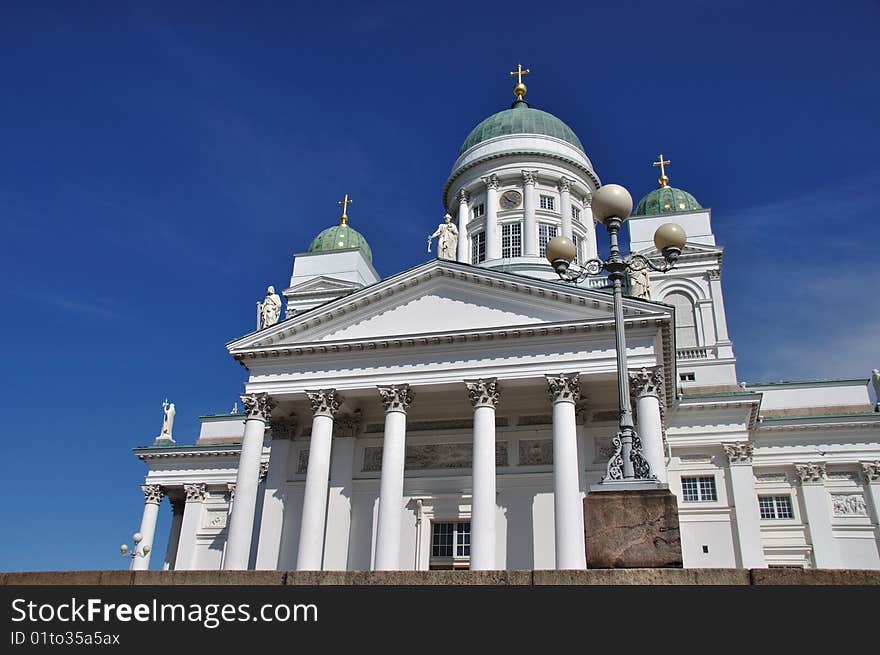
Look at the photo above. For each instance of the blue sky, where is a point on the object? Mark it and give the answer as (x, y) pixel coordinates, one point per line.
(162, 162)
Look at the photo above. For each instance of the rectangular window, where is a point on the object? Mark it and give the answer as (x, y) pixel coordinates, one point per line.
(775, 507)
(511, 240)
(478, 248)
(545, 233)
(548, 202)
(450, 545)
(698, 489)
(479, 210)
(576, 240)
(575, 213)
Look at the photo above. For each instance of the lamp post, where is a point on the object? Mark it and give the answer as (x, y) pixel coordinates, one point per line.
(137, 551)
(612, 205)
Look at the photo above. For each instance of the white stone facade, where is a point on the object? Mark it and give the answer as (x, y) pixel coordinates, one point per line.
(483, 397)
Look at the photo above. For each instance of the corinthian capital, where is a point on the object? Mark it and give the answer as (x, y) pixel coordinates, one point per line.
(588, 199)
(530, 177)
(396, 398)
(153, 493)
(462, 196)
(739, 452)
(195, 492)
(871, 471)
(257, 405)
(483, 392)
(491, 181)
(564, 185)
(647, 381)
(810, 472)
(565, 387)
(325, 402)
(283, 427)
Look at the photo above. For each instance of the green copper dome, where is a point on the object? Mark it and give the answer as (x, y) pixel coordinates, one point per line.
(666, 200)
(341, 237)
(521, 119)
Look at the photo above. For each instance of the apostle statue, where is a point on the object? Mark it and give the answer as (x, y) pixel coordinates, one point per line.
(639, 287)
(167, 423)
(269, 311)
(875, 380)
(447, 238)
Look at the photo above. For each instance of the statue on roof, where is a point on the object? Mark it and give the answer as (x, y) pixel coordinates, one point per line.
(167, 423)
(875, 380)
(268, 311)
(447, 238)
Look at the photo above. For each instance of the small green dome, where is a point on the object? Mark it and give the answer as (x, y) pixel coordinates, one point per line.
(666, 200)
(341, 237)
(521, 119)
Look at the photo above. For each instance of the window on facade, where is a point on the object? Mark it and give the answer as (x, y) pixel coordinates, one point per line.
(478, 248)
(775, 507)
(575, 213)
(511, 240)
(450, 545)
(548, 202)
(698, 489)
(687, 377)
(685, 324)
(545, 233)
(479, 210)
(576, 240)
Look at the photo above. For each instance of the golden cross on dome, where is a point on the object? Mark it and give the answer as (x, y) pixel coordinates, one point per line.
(664, 179)
(344, 203)
(520, 88)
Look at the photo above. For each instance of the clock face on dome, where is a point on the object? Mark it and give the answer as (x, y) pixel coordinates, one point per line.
(510, 199)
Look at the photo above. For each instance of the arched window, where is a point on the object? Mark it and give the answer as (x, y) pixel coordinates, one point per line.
(685, 321)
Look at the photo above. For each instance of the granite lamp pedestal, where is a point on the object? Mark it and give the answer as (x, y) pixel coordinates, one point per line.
(626, 527)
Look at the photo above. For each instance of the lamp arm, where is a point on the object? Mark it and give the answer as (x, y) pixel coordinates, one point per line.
(640, 263)
(583, 271)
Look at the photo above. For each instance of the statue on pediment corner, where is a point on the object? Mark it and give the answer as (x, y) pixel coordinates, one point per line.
(269, 311)
(447, 238)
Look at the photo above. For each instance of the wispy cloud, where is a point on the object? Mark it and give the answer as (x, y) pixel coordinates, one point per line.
(104, 308)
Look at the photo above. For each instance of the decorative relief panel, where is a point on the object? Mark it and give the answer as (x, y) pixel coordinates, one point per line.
(534, 452)
(215, 519)
(536, 419)
(771, 477)
(842, 475)
(420, 457)
(849, 505)
(696, 458)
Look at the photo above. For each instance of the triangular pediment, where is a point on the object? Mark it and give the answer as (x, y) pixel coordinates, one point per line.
(689, 249)
(442, 297)
(321, 285)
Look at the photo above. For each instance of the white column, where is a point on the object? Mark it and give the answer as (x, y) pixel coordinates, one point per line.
(189, 526)
(325, 403)
(174, 533)
(396, 400)
(564, 186)
(718, 305)
(745, 504)
(241, 522)
(153, 495)
(530, 219)
(463, 215)
(338, 530)
(871, 473)
(493, 239)
(283, 430)
(568, 508)
(484, 395)
(818, 508)
(647, 388)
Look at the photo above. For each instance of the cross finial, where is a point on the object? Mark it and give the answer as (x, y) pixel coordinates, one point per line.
(520, 89)
(345, 202)
(664, 179)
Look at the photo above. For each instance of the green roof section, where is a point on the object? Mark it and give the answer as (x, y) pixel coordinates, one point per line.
(666, 200)
(521, 119)
(341, 237)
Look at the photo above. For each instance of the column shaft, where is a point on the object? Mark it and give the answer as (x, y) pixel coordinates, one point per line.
(338, 529)
(530, 219)
(567, 503)
(272, 518)
(463, 216)
(173, 535)
(189, 527)
(311, 536)
(745, 505)
(241, 522)
(651, 434)
(391, 493)
(818, 509)
(153, 496)
(483, 537)
(565, 207)
(493, 240)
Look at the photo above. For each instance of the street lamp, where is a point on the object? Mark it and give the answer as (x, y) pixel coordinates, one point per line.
(612, 205)
(136, 552)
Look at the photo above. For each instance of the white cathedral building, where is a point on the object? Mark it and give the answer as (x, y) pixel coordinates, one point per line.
(456, 414)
